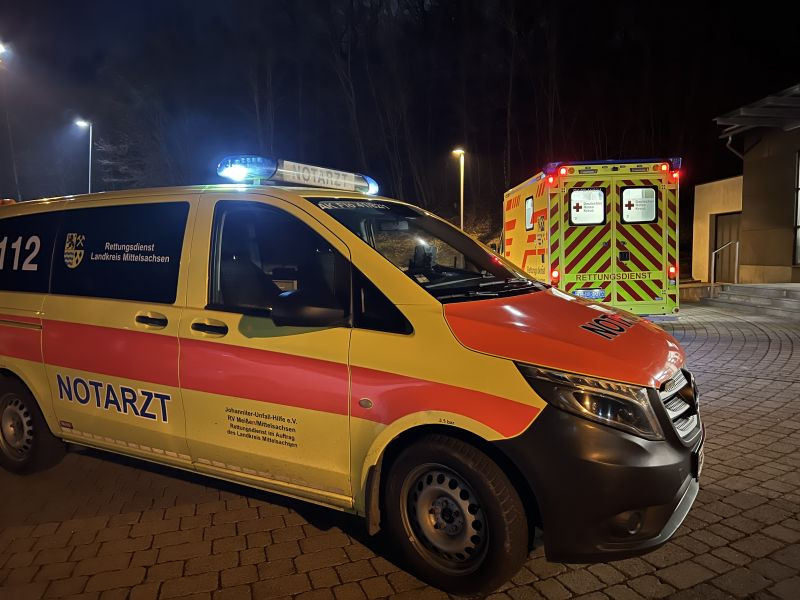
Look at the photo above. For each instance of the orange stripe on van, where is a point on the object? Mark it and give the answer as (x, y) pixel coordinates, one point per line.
(264, 376)
(111, 351)
(20, 342)
(394, 396)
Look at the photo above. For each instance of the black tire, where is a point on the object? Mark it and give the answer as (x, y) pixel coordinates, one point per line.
(26, 443)
(466, 552)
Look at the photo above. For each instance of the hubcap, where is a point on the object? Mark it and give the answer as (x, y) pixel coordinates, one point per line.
(445, 517)
(16, 428)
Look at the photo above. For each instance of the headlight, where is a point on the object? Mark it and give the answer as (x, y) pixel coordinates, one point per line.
(625, 407)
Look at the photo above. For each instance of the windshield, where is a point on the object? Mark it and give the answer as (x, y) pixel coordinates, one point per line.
(450, 265)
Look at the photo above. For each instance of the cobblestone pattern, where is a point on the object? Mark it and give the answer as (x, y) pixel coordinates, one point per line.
(103, 527)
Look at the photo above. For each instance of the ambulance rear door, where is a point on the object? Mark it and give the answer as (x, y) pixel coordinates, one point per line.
(638, 211)
(586, 236)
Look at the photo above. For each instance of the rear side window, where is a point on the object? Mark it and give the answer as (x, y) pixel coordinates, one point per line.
(26, 249)
(130, 252)
(587, 206)
(529, 213)
(639, 204)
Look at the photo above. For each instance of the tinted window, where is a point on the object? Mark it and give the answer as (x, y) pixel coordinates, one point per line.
(260, 252)
(26, 249)
(127, 252)
(373, 310)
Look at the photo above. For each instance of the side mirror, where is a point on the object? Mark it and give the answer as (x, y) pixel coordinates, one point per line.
(300, 309)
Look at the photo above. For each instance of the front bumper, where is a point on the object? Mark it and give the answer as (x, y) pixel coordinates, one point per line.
(604, 494)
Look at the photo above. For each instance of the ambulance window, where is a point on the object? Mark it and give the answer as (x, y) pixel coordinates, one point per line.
(373, 310)
(128, 252)
(587, 206)
(26, 249)
(639, 205)
(259, 252)
(529, 213)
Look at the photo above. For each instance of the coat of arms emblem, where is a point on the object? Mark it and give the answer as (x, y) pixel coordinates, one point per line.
(73, 249)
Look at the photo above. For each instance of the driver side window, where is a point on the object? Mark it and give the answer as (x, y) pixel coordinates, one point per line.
(260, 252)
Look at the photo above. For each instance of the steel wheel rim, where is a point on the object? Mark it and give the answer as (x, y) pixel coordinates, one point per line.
(16, 428)
(444, 519)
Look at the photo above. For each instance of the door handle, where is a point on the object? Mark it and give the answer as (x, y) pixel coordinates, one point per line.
(151, 320)
(210, 327)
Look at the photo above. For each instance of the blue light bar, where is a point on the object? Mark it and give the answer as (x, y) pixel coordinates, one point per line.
(253, 168)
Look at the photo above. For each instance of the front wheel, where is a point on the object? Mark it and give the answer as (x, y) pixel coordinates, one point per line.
(26, 443)
(456, 516)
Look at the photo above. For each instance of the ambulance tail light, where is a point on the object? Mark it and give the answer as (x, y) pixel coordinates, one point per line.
(617, 405)
(255, 169)
(673, 271)
(562, 171)
(675, 175)
(555, 277)
(550, 180)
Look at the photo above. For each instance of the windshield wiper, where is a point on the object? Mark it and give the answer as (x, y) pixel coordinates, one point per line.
(470, 294)
(510, 280)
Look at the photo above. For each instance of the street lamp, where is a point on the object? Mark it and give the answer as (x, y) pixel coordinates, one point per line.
(459, 152)
(4, 52)
(82, 123)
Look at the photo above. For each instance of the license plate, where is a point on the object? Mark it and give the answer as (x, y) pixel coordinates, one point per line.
(591, 294)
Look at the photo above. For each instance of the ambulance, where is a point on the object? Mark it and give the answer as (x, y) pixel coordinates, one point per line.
(603, 230)
(296, 332)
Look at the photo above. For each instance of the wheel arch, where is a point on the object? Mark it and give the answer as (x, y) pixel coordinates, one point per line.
(376, 475)
(49, 418)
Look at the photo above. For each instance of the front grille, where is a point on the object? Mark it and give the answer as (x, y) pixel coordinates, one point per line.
(678, 397)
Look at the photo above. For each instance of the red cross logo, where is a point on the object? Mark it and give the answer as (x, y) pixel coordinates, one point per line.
(629, 205)
(577, 207)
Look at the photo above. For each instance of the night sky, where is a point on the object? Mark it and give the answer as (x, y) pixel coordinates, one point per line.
(387, 88)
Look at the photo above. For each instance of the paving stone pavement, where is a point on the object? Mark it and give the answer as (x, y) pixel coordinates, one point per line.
(99, 526)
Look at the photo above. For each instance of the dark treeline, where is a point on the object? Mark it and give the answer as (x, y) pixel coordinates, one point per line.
(390, 87)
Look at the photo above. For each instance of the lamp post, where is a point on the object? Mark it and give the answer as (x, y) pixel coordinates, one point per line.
(3, 53)
(82, 123)
(459, 152)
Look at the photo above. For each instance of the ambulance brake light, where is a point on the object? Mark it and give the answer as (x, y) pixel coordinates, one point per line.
(555, 276)
(562, 171)
(255, 169)
(673, 270)
(664, 167)
(676, 175)
(550, 180)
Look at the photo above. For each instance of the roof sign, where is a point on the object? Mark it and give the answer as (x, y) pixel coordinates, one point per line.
(254, 169)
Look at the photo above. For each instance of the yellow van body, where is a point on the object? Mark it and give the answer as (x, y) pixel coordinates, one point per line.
(206, 418)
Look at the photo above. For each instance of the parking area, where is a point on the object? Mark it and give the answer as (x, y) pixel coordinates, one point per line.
(100, 526)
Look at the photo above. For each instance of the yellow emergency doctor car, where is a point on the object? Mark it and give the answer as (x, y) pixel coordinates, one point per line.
(348, 350)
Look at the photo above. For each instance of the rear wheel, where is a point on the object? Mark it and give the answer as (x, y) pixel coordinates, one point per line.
(26, 443)
(458, 519)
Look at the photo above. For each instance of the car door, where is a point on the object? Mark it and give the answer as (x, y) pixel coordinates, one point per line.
(266, 404)
(110, 325)
(640, 244)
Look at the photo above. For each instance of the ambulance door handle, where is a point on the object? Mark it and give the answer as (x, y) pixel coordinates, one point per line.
(151, 320)
(210, 327)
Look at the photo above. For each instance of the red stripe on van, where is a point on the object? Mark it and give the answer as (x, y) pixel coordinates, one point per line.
(20, 342)
(119, 352)
(395, 396)
(264, 376)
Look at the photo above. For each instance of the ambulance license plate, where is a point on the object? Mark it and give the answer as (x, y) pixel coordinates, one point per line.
(591, 294)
